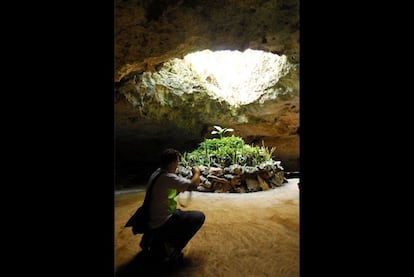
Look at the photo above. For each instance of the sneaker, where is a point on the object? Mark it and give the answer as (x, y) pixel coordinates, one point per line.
(169, 249)
(175, 257)
(146, 241)
(179, 257)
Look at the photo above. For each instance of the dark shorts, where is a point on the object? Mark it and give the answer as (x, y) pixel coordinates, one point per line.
(180, 228)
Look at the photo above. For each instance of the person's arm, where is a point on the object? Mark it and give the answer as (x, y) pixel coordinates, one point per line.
(195, 180)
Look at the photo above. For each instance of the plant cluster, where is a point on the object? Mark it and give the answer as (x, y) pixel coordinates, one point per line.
(225, 151)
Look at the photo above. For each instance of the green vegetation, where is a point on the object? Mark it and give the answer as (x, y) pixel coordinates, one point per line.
(221, 131)
(225, 151)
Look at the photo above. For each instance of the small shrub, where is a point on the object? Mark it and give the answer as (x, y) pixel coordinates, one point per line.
(225, 151)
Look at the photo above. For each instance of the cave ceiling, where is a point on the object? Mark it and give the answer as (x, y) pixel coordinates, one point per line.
(148, 34)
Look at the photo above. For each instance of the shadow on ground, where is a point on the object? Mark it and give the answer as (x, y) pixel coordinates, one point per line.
(144, 265)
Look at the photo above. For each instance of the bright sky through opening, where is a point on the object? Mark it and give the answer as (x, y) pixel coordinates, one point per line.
(239, 78)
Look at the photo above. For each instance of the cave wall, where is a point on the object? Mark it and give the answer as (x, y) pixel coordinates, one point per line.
(149, 33)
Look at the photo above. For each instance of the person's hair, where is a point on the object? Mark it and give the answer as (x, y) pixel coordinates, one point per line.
(168, 156)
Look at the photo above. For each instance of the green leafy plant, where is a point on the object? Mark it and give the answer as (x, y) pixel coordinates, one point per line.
(221, 131)
(225, 151)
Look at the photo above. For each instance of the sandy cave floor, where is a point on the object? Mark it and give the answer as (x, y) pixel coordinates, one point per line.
(244, 234)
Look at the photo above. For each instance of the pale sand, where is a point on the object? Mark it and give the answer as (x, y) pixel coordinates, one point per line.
(245, 234)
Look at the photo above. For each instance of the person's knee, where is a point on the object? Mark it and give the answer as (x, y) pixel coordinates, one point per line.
(196, 219)
(201, 218)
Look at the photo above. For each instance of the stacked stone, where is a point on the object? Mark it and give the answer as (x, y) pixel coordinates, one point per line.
(237, 178)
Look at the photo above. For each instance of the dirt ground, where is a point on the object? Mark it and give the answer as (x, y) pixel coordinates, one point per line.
(244, 234)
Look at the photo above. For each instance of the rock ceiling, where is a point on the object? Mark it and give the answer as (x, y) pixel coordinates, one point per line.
(149, 33)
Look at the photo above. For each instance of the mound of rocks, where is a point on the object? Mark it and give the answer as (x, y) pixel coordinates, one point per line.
(237, 178)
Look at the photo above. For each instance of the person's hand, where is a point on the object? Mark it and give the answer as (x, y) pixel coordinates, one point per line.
(195, 179)
(195, 169)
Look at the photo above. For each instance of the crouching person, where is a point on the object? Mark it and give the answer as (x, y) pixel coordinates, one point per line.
(170, 228)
